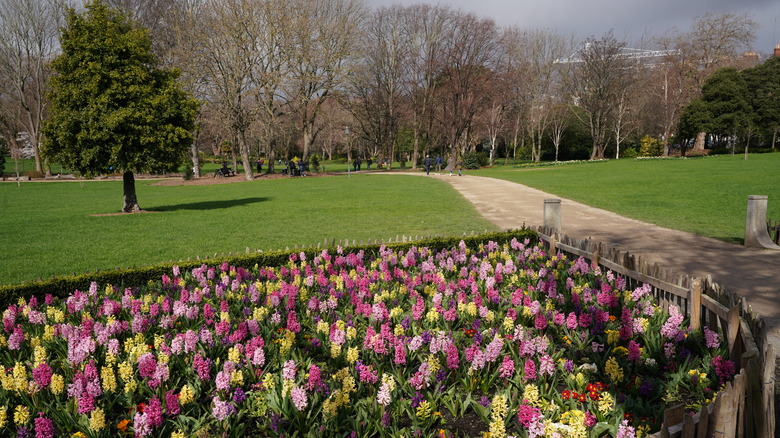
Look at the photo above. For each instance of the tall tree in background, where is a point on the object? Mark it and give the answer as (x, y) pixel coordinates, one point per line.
(595, 84)
(725, 95)
(376, 87)
(112, 108)
(540, 50)
(426, 28)
(231, 36)
(714, 41)
(29, 41)
(763, 81)
(470, 56)
(323, 43)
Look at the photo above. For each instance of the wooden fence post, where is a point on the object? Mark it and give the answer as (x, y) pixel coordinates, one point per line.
(695, 303)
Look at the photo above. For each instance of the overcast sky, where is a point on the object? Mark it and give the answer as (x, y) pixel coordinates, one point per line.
(629, 19)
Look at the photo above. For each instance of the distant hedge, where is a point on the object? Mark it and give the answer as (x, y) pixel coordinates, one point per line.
(62, 286)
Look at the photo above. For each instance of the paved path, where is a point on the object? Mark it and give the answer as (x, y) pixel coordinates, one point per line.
(751, 273)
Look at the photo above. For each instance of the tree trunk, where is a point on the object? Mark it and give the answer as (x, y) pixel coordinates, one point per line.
(415, 149)
(698, 145)
(308, 138)
(131, 202)
(194, 155)
(244, 150)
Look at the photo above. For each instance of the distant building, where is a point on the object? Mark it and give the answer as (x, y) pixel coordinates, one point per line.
(751, 59)
(777, 51)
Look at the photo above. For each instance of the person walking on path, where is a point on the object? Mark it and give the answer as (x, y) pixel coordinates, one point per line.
(460, 166)
(438, 163)
(450, 165)
(427, 164)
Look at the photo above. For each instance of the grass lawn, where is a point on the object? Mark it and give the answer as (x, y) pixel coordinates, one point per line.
(49, 228)
(706, 196)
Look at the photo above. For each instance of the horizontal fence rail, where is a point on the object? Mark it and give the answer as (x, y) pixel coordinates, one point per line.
(746, 406)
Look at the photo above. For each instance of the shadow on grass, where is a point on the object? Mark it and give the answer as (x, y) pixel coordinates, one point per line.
(209, 205)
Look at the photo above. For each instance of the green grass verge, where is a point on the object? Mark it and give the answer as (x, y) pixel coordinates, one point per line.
(49, 228)
(706, 196)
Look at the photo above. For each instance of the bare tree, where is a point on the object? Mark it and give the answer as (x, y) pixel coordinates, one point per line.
(323, 35)
(595, 84)
(376, 86)
(539, 50)
(30, 40)
(239, 52)
(714, 41)
(559, 121)
(470, 58)
(426, 28)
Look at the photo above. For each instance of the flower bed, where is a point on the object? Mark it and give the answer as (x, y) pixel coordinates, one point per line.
(496, 340)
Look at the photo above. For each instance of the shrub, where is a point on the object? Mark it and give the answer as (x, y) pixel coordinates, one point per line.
(34, 174)
(475, 160)
(650, 147)
(134, 277)
(629, 153)
(314, 162)
(188, 172)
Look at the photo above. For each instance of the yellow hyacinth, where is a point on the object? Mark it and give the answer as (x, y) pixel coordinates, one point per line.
(352, 355)
(108, 379)
(186, 395)
(57, 384)
(21, 415)
(97, 419)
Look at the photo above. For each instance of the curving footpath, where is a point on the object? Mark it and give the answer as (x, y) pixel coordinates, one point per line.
(750, 272)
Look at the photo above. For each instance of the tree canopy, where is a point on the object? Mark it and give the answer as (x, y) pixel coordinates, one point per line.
(737, 104)
(112, 108)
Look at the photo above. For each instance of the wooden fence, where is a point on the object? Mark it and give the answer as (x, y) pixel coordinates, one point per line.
(774, 231)
(746, 407)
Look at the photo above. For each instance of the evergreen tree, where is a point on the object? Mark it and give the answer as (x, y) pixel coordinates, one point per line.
(113, 109)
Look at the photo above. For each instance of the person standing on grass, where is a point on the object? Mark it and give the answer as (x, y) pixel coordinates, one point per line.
(450, 164)
(427, 163)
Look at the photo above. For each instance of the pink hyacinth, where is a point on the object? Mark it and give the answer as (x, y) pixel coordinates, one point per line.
(529, 370)
(400, 354)
(507, 367)
(367, 375)
(453, 361)
(315, 378)
(220, 409)
(153, 412)
(625, 431)
(202, 367)
(711, 338)
(383, 396)
(44, 427)
(222, 381)
(86, 403)
(546, 365)
(634, 351)
(288, 372)
(527, 414)
(147, 365)
(172, 407)
(298, 396)
(42, 375)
